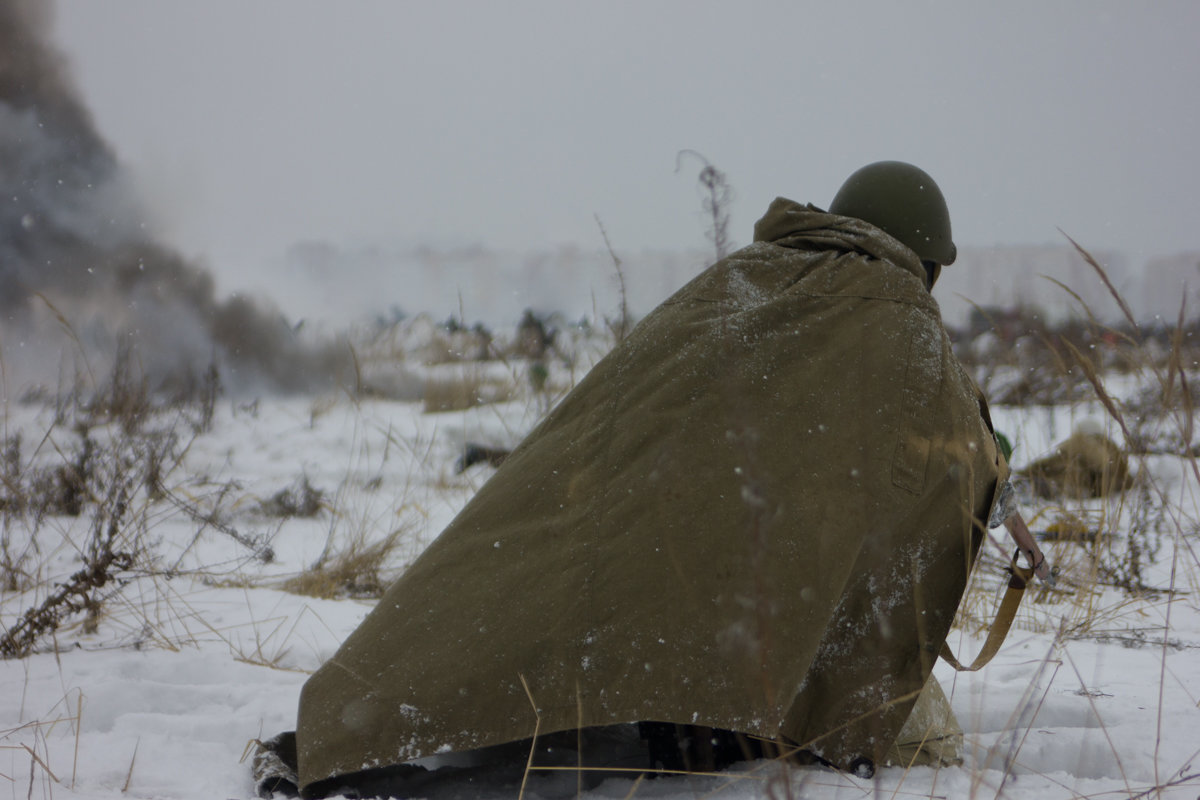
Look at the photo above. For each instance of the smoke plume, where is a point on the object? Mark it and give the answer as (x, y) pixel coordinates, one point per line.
(81, 280)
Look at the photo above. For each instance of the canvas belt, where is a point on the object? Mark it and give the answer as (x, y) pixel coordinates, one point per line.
(1019, 578)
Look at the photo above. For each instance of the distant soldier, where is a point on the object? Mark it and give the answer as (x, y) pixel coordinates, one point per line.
(533, 340)
(1086, 464)
(474, 453)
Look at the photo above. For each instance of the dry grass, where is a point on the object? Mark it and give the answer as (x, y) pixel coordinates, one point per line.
(301, 499)
(356, 567)
(465, 391)
(107, 459)
(452, 395)
(1111, 542)
(1113, 586)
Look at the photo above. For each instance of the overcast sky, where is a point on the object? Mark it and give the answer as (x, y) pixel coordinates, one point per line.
(255, 123)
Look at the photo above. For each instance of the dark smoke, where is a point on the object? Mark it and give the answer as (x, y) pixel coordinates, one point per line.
(80, 278)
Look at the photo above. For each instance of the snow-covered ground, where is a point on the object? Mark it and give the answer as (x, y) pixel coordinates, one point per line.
(201, 650)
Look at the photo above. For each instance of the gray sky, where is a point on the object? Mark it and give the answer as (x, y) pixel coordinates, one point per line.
(254, 123)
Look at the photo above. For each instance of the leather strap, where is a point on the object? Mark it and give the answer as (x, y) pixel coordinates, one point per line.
(1018, 580)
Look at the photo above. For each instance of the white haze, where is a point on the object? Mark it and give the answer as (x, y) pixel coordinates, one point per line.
(510, 127)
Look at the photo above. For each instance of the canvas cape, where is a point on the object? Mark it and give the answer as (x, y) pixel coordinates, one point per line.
(757, 513)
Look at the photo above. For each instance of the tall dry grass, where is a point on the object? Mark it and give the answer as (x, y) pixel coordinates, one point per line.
(1109, 543)
(109, 459)
(1127, 559)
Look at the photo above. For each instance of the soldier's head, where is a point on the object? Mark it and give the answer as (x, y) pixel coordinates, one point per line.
(907, 204)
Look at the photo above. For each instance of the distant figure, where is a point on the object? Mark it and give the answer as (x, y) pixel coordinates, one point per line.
(1085, 465)
(533, 340)
(483, 342)
(477, 453)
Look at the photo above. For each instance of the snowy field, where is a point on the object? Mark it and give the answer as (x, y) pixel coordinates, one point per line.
(156, 682)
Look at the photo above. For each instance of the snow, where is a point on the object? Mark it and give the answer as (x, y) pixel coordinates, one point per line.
(187, 666)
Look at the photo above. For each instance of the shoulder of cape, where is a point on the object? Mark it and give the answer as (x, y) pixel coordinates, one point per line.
(820, 273)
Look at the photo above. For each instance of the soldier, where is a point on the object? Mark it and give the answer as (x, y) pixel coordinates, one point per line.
(756, 515)
(1087, 464)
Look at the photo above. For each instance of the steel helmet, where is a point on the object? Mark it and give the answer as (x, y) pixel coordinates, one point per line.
(905, 202)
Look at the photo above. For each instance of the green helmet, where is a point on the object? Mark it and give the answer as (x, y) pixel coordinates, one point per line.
(905, 202)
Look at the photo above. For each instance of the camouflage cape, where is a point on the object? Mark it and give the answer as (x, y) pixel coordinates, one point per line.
(757, 513)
